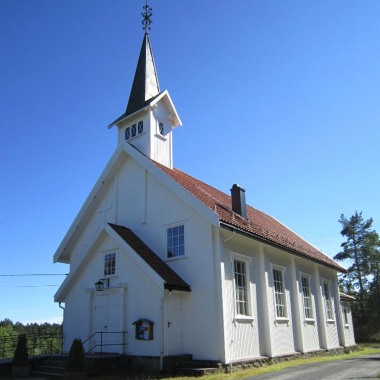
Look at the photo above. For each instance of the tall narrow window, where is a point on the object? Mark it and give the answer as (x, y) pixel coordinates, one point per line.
(127, 133)
(279, 293)
(328, 302)
(175, 241)
(241, 287)
(140, 127)
(307, 304)
(110, 264)
(345, 314)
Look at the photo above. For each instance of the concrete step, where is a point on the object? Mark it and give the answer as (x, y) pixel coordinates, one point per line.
(197, 371)
(44, 373)
(198, 364)
(51, 365)
(197, 367)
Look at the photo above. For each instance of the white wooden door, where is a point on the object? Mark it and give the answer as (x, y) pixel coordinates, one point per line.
(107, 322)
(173, 325)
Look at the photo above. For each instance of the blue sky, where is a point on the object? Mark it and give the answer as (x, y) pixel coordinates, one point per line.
(281, 97)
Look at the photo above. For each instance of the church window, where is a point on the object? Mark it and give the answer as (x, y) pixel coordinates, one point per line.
(241, 287)
(345, 315)
(307, 303)
(109, 264)
(127, 133)
(175, 237)
(133, 131)
(161, 128)
(279, 293)
(328, 301)
(140, 127)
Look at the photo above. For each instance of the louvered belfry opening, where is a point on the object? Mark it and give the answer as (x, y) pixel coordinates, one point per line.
(238, 200)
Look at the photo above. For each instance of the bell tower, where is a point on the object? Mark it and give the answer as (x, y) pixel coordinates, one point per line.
(150, 116)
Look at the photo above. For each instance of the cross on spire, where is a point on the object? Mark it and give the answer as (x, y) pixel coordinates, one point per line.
(146, 17)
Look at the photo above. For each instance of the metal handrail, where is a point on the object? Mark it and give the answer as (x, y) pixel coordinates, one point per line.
(101, 343)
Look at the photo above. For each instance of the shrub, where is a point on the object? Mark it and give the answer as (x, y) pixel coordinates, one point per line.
(76, 361)
(21, 358)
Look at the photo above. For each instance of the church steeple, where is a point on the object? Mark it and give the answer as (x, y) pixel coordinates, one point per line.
(150, 116)
(145, 83)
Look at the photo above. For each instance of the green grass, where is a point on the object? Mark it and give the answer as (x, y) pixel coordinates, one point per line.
(364, 349)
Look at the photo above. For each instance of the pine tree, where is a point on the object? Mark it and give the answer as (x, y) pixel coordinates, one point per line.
(361, 249)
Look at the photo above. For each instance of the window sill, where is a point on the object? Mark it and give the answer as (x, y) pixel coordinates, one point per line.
(161, 137)
(176, 258)
(281, 321)
(135, 137)
(309, 321)
(243, 319)
(330, 321)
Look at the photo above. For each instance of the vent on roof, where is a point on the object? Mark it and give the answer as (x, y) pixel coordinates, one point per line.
(238, 200)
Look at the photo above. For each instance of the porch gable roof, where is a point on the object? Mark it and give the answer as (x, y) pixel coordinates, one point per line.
(172, 280)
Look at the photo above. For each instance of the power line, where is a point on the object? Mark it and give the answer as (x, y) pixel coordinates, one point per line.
(33, 274)
(25, 286)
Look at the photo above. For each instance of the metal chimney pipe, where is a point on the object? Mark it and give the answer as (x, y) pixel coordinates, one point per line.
(238, 200)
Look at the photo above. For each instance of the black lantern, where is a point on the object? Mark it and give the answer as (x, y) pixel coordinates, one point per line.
(99, 286)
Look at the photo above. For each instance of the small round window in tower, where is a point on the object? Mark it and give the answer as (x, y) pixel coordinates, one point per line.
(127, 133)
(140, 127)
(133, 132)
(161, 128)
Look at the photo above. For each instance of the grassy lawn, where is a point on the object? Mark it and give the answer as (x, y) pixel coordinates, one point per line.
(364, 349)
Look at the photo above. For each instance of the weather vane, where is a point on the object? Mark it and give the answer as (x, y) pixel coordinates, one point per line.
(146, 17)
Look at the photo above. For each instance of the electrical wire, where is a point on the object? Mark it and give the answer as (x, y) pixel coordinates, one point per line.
(33, 274)
(25, 286)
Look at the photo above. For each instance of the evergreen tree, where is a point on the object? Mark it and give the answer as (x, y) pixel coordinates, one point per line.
(362, 250)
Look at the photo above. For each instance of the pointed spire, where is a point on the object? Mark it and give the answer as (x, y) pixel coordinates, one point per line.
(145, 83)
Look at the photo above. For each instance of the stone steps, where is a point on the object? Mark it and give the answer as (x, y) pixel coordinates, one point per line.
(197, 367)
(51, 366)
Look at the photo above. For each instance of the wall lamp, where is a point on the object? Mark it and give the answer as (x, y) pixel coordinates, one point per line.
(99, 286)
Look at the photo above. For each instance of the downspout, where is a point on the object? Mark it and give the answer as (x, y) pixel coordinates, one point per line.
(162, 330)
(339, 315)
(61, 307)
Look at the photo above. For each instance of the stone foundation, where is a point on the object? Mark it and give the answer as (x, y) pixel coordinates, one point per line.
(145, 363)
(264, 361)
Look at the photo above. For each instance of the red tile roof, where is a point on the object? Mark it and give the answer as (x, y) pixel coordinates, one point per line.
(172, 280)
(258, 224)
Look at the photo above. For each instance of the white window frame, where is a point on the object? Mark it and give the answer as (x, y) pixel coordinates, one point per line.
(277, 295)
(136, 127)
(345, 311)
(248, 316)
(140, 127)
(160, 135)
(171, 226)
(329, 309)
(105, 254)
(307, 299)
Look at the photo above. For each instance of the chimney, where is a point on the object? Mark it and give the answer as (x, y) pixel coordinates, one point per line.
(238, 200)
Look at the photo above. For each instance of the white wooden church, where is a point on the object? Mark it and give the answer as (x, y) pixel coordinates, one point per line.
(162, 264)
